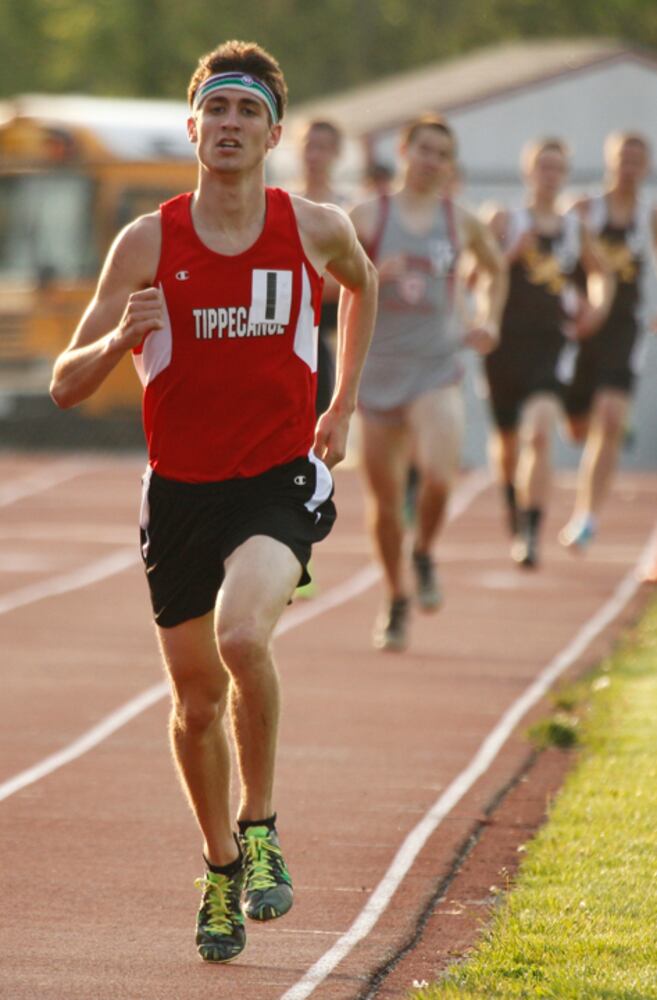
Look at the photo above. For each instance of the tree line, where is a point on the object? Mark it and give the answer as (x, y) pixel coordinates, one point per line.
(148, 48)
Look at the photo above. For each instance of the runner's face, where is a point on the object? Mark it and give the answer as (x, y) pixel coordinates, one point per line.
(548, 173)
(430, 159)
(232, 132)
(320, 151)
(629, 163)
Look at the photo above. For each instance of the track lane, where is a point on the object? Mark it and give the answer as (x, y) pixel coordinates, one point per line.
(343, 783)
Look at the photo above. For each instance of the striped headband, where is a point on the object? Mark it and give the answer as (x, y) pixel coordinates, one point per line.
(237, 81)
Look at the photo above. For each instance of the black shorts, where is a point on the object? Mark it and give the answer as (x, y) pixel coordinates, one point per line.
(599, 367)
(514, 380)
(188, 530)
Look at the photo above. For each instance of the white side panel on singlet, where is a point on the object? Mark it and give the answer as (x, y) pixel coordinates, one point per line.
(305, 337)
(570, 244)
(519, 221)
(156, 352)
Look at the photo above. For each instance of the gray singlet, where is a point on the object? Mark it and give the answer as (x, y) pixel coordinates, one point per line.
(417, 339)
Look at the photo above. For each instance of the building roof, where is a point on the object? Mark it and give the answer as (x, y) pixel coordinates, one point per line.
(456, 83)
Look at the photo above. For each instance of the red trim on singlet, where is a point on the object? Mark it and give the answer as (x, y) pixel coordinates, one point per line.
(374, 245)
(450, 219)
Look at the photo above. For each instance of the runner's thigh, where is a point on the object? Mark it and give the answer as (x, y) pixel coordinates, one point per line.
(385, 456)
(261, 576)
(437, 422)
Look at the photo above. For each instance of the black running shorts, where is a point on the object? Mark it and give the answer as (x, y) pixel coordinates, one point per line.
(602, 363)
(514, 380)
(188, 530)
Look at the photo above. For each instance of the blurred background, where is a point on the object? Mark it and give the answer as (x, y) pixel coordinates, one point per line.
(92, 133)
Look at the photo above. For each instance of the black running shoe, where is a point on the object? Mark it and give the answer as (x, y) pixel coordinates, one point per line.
(429, 595)
(524, 550)
(267, 883)
(391, 629)
(220, 934)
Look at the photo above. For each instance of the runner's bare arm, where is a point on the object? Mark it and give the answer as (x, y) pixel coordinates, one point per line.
(124, 310)
(365, 218)
(492, 285)
(333, 241)
(600, 285)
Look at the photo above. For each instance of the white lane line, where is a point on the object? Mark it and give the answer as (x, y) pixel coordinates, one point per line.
(484, 757)
(471, 487)
(86, 742)
(65, 582)
(26, 562)
(40, 480)
(75, 532)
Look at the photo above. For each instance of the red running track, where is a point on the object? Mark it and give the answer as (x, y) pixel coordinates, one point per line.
(100, 853)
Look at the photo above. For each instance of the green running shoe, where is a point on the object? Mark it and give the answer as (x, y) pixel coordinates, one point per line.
(267, 883)
(220, 934)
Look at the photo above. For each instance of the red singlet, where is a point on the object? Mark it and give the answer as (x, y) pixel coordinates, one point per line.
(229, 383)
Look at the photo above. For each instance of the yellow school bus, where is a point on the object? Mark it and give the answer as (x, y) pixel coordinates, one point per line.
(73, 171)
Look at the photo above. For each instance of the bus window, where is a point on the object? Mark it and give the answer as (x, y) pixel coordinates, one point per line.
(141, 200)
(46, 227)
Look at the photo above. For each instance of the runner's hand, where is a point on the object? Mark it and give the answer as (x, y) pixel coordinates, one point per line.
(481, 338)
(331, 437)
(588, 320)
(144, 313)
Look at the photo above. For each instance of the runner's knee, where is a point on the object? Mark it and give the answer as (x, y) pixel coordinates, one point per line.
(537, 437)
(242, 646)
(198, 709)
(610, 418)
(436, 482)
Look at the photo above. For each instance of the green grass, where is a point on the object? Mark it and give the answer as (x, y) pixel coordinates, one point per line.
(581, 921)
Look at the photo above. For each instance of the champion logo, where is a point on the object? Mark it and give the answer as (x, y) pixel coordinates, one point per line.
(182, 275)
(300, 480)
(247, 79)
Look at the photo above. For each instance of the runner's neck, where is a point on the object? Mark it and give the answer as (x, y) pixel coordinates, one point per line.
(622, 201)
(229, 213)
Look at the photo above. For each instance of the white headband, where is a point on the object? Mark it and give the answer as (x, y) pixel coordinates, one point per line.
(238, 81)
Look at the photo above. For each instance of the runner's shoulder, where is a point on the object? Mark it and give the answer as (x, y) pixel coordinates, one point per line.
(469, 224)
(138, 246)
(322, 225)
(366, 216)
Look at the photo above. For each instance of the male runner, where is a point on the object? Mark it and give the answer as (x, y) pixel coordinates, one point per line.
(527, 371)
(218, 295)
(410, 397)
(320, 151)
(624, 228)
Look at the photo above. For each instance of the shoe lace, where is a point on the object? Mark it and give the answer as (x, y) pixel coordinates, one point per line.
(263, 862)
(218, 903)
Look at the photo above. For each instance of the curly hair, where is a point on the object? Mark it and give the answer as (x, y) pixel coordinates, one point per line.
(245, 57)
